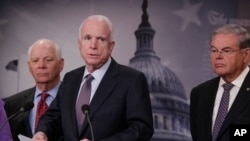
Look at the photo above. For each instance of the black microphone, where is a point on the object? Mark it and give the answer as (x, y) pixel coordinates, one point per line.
(26, 107)
(85, 110)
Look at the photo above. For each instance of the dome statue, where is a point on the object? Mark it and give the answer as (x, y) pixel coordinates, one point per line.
(169, 102)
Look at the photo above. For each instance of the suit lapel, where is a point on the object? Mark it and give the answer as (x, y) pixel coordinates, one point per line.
(104, 89)
(73, 85)
(242, 99)
(27, 97)
(210, 92)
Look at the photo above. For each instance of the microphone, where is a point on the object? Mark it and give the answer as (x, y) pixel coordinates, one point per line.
(26, 107)
(85, 110)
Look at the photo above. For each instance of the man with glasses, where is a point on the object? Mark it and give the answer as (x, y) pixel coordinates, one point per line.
(221, 102)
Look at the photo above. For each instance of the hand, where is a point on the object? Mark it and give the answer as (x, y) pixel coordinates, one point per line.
(40, 136)
(84, 140)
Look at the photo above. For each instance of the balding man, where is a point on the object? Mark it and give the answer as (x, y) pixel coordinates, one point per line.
(118, 96)
(45, 63)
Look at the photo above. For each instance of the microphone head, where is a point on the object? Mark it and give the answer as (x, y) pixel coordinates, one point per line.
(26, 107)
(85, 108)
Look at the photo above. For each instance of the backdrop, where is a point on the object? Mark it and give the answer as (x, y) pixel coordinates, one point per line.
(182, 30)
(181, 40)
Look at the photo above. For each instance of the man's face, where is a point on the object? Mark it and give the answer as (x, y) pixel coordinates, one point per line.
(94, 43)
(43, 63)
(226, 57)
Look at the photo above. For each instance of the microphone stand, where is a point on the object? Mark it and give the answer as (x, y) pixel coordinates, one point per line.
(24, 108)
(9, 119)
(90, 125)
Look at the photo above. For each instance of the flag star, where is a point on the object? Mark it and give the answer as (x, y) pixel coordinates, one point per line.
(189, 14)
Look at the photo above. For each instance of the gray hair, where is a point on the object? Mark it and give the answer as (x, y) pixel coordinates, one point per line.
(243, 35)
(100, 18)
(53, 44)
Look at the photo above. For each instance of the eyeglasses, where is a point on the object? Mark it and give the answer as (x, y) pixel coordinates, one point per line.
(224, 51)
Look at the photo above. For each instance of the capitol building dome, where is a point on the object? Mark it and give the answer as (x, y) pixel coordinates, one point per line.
(160, 78)
(170, 106)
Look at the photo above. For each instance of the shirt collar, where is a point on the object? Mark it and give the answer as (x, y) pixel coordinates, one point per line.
(99, 72)
(52, 92)
(239, 80)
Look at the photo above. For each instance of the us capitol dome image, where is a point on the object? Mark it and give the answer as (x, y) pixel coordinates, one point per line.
(170, 106)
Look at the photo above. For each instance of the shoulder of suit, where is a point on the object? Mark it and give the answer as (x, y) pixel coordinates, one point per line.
(23, 94)
(76, 71)
(208, 83)
(132, 70)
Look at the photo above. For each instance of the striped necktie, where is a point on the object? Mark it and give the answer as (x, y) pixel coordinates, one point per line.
(223, 109)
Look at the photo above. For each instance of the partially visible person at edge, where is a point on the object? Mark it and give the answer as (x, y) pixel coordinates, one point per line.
(5, 133)
(45, 63)
(229, 55)
(120, 107)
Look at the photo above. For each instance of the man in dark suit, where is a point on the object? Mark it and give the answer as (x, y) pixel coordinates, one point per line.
(120, 107)
(45, 64)
(229, 55)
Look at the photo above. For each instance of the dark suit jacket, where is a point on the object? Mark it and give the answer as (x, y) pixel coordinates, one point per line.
(201, 110)
(119, 111)
(20, 123)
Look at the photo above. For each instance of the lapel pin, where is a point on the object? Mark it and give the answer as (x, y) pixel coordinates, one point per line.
(248, 89)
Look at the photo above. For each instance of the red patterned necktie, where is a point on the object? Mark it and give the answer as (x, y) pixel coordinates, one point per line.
(83, 98)
(41, 107)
